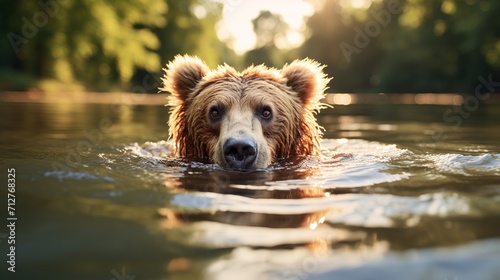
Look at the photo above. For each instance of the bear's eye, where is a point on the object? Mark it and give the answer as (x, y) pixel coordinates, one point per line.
(266, 114)
(215, 113)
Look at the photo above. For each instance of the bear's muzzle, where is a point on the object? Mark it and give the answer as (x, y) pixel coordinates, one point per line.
(240, 152)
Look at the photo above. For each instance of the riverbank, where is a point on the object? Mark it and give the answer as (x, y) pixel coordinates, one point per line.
(331, 98)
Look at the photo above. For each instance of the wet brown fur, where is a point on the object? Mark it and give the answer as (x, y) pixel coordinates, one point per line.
(293, 93)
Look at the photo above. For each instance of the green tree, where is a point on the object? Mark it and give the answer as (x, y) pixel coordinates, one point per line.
(190, 29)
(269, 29)
(106, 45)
(406, 46)
(443, 46)
(83, 40)
(339, 40)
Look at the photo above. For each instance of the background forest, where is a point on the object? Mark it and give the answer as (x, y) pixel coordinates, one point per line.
(374, 46)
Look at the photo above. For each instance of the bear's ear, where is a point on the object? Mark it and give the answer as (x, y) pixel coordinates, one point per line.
(306, 77)
(182, 75)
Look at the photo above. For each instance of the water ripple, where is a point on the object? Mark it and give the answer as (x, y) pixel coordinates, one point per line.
(487, 164)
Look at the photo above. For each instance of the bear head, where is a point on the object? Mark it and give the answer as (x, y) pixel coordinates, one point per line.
(244, 120)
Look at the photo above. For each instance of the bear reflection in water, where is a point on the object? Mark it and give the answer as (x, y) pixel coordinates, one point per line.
(248, 185)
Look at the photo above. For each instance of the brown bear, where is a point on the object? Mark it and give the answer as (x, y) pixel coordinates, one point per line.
(244, 120)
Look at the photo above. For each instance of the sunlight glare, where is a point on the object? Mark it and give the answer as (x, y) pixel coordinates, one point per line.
(295, 38)
(356, 4)
(313, 225)
(235, 27)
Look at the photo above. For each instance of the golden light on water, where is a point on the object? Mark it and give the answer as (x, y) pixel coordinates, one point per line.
(313, 225)
(439, 99)
(340, 99)
(453, 99)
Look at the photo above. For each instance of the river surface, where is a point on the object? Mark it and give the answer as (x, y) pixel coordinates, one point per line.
(401, 192)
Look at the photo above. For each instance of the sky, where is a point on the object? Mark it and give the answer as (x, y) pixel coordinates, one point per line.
(236, 28)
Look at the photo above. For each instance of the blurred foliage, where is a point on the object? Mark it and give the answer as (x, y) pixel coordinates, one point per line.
(269, 28)
(64, 40)
(384, 46)
(407, 46)
(190, 29)
(103, 45)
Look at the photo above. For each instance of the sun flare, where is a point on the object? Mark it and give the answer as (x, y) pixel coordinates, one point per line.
(236, 27)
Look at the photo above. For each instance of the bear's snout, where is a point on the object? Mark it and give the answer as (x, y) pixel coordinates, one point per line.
(240, 152)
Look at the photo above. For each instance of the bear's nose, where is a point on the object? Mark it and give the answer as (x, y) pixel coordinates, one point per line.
(240, 152)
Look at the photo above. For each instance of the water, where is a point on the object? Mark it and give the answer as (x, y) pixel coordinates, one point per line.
(400, 193)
